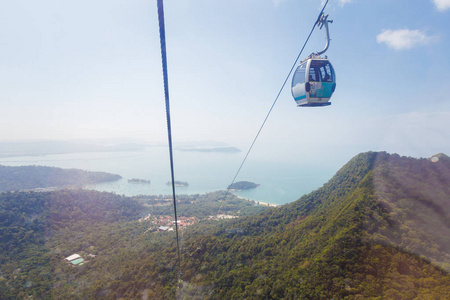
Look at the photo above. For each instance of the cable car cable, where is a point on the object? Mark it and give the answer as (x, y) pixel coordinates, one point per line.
(273, 104)
(162, 36)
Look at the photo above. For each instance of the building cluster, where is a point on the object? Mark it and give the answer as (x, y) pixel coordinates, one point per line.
(221, 217)
(75, 259)
(166, 223)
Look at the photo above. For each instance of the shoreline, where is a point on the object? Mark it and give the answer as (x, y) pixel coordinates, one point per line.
(258, 202)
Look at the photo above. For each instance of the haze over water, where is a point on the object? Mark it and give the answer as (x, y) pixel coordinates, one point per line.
(280, 182)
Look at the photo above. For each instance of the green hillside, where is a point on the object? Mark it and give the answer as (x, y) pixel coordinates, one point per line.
(115, 235)
(37, 230)
(379, 229)
(345, 240)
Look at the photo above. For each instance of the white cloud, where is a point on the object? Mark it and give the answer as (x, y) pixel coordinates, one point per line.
(442, 5)
(403, 38)
(343, 2)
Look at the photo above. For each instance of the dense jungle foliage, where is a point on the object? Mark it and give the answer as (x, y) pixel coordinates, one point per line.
(201, 205)
(33, 177)
(39, 229)
(377, 230)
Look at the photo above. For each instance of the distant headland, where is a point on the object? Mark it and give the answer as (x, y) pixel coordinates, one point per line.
(49, 178)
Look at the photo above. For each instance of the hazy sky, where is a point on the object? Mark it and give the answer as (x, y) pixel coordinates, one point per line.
(92, 69)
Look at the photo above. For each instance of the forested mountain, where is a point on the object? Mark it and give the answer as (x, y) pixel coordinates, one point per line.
(379, 229)
(370, 231)
(32, 177)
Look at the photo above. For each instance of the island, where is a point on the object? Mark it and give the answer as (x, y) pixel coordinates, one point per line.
(242, 185)
(136, 180)
(178, 183)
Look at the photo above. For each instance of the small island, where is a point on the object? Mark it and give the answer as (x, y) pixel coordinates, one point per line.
(136, 180)
(178, 183)
(242, 185)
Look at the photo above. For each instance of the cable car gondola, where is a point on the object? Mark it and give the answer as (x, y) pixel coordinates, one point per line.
(314, 81)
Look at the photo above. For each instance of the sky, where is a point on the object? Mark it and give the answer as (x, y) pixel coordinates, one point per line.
(92, 70)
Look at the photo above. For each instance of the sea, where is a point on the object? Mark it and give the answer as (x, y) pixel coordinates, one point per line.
(279, 182)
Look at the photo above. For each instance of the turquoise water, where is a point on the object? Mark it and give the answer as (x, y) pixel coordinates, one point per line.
(280, 183)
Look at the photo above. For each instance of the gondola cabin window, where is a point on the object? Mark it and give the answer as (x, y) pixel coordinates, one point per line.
(299, 76)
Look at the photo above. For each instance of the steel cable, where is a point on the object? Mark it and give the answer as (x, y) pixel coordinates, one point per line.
(271, 108)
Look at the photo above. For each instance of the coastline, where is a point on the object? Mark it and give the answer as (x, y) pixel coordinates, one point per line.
(265, 203)
(210, 171)
(258, 202)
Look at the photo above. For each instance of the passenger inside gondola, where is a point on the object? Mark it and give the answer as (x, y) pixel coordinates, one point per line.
(312, 74)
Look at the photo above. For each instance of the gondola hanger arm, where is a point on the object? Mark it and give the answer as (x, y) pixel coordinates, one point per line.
(323, 21)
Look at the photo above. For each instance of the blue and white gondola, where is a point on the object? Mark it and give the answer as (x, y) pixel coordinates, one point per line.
(313, 82)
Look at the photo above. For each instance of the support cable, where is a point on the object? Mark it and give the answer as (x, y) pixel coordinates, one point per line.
(271, 108)
(162, 36)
